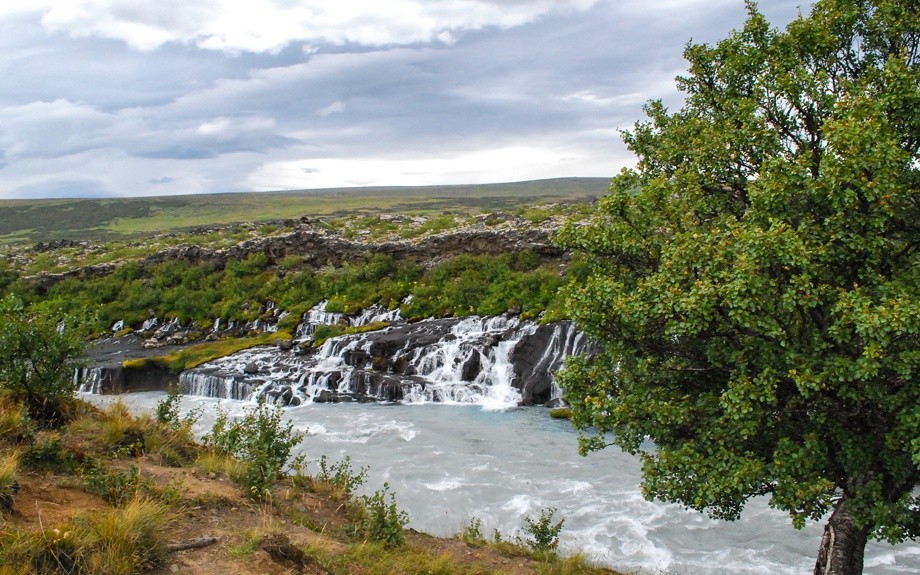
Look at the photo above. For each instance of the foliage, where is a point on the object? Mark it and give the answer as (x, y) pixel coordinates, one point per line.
(542, 535)
(383, 521)
(37, 361)
(755, 282)
(49, 454)
(168, 411)
(472, 532)
(342, 476)
(262, 441)
(116, 487)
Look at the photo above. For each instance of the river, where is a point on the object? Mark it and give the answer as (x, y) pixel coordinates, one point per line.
(450, 463)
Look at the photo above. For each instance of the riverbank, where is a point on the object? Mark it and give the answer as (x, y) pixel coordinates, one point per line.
(80, 494)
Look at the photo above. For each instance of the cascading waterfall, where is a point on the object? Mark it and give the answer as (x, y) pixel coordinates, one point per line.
(375, 314)
(496, 362)
(316, 315)
(88, 379)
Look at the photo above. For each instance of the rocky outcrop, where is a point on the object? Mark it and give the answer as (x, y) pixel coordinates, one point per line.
(117, 379)
(320, 247)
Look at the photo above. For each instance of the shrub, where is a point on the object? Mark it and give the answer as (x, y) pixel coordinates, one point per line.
(168, 412)
(383, 521)
(472, 533)
(116, 487)
(262, 441)
(37, 361)
(542, 533)
(341, 476)
(48, 454)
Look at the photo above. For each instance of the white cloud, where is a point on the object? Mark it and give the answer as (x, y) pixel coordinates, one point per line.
(333, 108)
(270, 25)
(485, 165)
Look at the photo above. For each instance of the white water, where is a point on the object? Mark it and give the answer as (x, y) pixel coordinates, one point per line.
(448, 464)
(440, 353)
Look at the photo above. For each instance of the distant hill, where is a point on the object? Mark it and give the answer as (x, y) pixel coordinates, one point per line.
(24, 221)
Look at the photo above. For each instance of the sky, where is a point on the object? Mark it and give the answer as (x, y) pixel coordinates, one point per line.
(118, 98)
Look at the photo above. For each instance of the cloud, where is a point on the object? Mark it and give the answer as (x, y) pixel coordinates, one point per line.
(270, 25)
(504, 90)
(333, 108)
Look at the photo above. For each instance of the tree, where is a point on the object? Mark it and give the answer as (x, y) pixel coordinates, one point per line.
(37, 361)
(755, 281)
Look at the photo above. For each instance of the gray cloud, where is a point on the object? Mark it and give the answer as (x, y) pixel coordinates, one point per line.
(518, 90)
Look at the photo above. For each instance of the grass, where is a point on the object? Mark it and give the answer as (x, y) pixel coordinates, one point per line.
(122, 541)
(561, 413)
(324, 332)
(195, 355)
(9, 467)
(43, 220)
(127, 533)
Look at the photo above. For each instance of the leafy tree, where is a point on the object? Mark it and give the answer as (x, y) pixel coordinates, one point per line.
(755, 280)
(37, 361)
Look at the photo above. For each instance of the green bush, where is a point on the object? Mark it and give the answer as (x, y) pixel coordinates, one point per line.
(341, 476)
(383, 521)
(262, 442)
(116, 487)
(48, 454)
(37, 361)
(169, 414)
(472, 532)
(542, 535)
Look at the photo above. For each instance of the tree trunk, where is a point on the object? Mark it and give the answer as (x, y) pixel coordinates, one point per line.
(842, 545)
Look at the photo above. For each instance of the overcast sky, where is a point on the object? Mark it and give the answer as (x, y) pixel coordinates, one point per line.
(156, 97)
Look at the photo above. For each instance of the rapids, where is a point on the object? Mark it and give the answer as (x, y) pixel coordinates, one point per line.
(450, 463)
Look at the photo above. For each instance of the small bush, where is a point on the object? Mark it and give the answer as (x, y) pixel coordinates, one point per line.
(168, 414)
(37, 361)
(341, 476)
(542, 533)
(262, 441)
(383, 521)
(49, 454)
(116, 487)
(472, 533)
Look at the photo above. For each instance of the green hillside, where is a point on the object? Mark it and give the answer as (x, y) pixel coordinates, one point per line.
(24, 221)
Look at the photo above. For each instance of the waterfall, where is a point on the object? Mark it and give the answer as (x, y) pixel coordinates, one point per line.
(375, 314)
(204, 384)
(316, 315)
(88, 379)
(496, 362)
